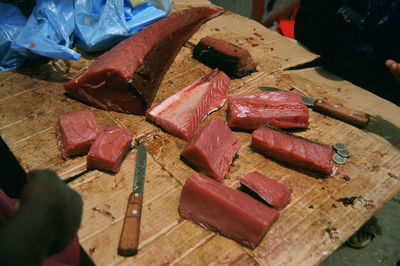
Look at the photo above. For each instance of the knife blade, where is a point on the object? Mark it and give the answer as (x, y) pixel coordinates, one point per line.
(356, 118)
(129, 239)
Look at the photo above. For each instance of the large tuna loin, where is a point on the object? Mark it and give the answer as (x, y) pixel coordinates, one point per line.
(280, 109)
(126, 78)
(182, 113)
(293, 150)
(225, 210)
(233, 60)
(274, 193)
(212, 149)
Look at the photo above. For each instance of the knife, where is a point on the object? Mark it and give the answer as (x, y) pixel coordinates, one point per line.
(129, 239)
(356, 118)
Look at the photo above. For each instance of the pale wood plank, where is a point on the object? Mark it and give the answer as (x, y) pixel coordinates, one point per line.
(32, 98)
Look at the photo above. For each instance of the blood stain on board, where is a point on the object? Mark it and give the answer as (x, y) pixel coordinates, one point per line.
(107, 213)
(243, 259)
(345, 177)
(347, 201)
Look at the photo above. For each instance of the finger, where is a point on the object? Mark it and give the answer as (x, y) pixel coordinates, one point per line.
(397, 72)
(389, 63)
(39, 173)
(394, 68)
(41, 182)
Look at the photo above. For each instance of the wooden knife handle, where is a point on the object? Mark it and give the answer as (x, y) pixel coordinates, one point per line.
(353, 117)
(129, 240)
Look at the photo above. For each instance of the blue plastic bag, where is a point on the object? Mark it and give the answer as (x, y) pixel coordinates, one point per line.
(54, 24)
(11, 21)
(101, 24)
(48, 31)
(165, 5)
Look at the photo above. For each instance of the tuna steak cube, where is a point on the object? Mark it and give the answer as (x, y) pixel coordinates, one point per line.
(212, 149)
(182, 113)
(225, 210)
(293, 150)
(274, 193)
(233, 60)
(280, 109)
(127, 77)
(109, 149)
(76, 132)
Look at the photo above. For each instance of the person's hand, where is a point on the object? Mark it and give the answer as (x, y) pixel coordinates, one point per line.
(47, 219)
(394, 67)
(45, 189)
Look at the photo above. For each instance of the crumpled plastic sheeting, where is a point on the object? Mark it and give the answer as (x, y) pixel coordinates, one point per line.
(165, 5)
(47, 31)
(99, 27)
(11, 21)
(53, 25)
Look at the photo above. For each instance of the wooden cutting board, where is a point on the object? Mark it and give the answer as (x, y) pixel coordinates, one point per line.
(308, 230)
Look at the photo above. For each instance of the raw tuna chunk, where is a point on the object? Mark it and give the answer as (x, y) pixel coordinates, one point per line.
(293, 150)
(76, 132)
(212, 149)
(127, 77)
(280, 109)
(225, 210)
(182, 113)
(233, 60)
(109, 149)
(274, 193)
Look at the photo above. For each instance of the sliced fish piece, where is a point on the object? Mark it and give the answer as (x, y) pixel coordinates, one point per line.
(274, 193)
(212, 149)
(76, 132)
(280, 109)
(182, 113)
(235, 61)
(109, 149)
(293, 150)
(230, 212)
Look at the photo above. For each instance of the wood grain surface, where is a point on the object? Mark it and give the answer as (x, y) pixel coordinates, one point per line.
(308, 230)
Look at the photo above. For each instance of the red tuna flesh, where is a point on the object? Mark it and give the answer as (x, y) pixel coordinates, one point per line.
(280, 109)
(233, 60)
(212, 149)
(76, 132)
(182, 113)
(109, 149)
(225, 210)
(127, 77)
(273, 192)
(293, 150)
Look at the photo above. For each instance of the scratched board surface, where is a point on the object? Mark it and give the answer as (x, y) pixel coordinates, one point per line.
(310, 228)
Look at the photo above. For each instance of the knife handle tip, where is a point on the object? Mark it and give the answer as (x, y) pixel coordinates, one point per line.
(348, 115)
(129, 240)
